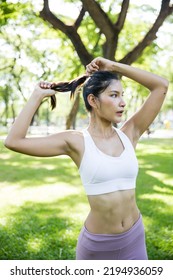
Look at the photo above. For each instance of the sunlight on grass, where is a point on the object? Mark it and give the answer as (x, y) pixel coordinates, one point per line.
(158, 198)
(14, 195)
(163, 190)
(147, 221)
(34, 244)
(162, 177)
(159, 175)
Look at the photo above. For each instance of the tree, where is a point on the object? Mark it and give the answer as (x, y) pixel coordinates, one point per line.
(22, 39)
(106, 30)
(32, 50)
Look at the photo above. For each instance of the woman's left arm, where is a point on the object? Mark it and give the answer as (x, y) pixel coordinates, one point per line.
(157, 86)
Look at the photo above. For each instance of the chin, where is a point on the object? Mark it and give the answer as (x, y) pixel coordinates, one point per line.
(117, 121)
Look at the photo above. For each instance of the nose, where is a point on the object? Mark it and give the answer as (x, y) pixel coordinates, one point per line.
(122, 102)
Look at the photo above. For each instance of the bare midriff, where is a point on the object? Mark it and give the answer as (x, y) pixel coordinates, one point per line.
(112, 213)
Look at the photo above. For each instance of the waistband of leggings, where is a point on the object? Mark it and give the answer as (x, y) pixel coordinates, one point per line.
(110, 242)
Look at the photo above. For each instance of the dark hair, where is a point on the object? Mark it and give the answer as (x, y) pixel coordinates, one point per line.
(95, 84)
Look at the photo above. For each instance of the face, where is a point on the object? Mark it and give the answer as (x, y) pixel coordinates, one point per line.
(110, 104)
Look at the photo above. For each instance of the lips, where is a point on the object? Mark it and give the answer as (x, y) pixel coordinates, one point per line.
(120, 112)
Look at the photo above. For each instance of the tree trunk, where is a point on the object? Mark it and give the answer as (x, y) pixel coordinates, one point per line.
(71, 119)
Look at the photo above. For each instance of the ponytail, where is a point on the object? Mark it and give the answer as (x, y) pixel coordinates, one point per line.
(96, 84)
(71, 86)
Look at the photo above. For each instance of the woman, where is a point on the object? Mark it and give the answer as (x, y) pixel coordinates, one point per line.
(104, 155)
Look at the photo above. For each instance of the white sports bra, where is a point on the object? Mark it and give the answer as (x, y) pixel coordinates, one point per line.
(101, 173)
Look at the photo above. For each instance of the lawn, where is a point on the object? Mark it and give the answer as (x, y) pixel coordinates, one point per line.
(43, 204)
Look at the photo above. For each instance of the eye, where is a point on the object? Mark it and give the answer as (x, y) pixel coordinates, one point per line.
(114, 95)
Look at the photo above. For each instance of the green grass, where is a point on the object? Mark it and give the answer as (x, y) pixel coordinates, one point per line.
(43, 205)
(155, 195)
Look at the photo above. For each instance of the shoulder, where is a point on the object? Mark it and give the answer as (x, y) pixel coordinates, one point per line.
(71, 137)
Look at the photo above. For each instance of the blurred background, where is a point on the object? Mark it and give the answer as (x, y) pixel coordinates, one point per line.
(55, 40)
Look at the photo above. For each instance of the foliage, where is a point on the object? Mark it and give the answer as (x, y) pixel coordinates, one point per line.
(43, 205)
(31, 50)
(27, 56)
(9, 11)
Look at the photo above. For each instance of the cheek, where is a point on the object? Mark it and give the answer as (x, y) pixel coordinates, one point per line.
(108, 104)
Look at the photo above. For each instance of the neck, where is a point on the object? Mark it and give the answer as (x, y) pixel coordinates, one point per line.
(100, 128)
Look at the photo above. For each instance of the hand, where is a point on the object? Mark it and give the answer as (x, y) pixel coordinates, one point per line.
(99, 64)
(44, 89)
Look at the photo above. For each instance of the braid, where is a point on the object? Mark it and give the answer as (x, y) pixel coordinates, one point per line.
(71, 86)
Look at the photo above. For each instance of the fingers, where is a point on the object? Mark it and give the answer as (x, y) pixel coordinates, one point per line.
(44, 88)
(45, 85)
(91, 68)
(99, 63)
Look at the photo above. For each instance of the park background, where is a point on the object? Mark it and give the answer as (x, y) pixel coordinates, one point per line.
(42, 201)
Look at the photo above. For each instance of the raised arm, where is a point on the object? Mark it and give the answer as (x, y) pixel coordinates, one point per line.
(157, 86)
(40, 146)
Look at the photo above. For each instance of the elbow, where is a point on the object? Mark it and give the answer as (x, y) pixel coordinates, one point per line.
(165, 85)
(162, 87)
(9, 144)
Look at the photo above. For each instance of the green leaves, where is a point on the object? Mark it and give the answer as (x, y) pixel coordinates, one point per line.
(9, 11)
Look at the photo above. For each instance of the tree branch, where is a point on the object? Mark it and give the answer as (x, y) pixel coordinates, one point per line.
(122, 15)
(47, 15)
(165, 11)
(110, 52)
(99, 17)
(70, 31)
(46, 4)
(80, 18)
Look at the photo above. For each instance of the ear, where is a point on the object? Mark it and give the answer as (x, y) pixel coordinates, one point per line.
(93, 101)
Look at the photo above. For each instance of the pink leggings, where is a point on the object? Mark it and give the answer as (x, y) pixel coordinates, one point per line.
(129, 245)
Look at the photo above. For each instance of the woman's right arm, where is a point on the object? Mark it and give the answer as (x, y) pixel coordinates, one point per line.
(56, 144)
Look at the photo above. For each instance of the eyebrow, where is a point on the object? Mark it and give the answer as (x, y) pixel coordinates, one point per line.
(116, 91)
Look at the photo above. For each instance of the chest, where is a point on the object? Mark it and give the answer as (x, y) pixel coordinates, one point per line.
(105, 168)
(112, 147)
